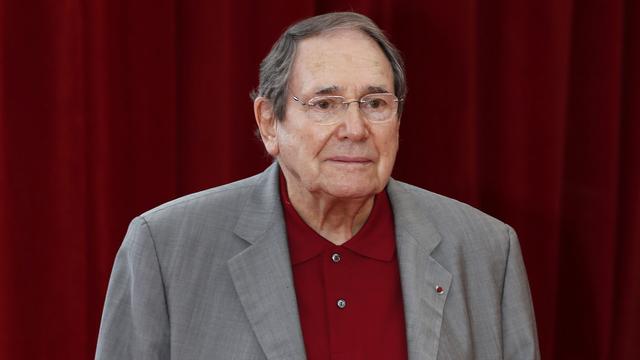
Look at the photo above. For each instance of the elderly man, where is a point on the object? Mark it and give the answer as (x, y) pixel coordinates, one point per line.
(322, 256)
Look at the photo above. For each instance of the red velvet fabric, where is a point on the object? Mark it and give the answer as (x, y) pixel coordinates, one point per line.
(527, 109)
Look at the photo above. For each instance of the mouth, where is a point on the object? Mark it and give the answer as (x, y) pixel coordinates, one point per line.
(350, 160)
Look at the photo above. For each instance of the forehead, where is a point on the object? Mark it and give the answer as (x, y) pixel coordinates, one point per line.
(346, 60)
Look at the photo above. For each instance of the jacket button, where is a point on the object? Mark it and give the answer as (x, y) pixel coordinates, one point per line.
(341, 303)
(335, 257)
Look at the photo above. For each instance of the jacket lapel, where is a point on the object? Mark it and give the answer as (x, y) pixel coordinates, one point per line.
(262, 273)
(420, 274)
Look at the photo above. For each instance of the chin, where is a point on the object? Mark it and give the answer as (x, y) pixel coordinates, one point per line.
(352, 191)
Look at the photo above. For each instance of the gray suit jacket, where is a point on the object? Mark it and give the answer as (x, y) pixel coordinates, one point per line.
(208, 276)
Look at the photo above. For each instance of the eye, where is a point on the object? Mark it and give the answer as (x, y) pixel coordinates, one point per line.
(375, 103)
(324, 103)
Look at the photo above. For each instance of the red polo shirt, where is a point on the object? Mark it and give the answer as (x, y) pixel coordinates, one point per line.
(349, 296)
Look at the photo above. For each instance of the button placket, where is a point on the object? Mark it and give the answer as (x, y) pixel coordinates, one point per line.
(337, 277)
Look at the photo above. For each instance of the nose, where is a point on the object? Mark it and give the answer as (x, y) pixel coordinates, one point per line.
(354, 125)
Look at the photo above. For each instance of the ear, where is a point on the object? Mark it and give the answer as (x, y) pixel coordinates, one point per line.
(267, 124)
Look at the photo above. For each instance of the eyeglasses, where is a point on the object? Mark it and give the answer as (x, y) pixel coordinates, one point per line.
(327, 110)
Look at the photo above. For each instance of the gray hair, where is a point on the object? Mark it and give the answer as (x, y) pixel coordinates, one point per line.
(276, 67)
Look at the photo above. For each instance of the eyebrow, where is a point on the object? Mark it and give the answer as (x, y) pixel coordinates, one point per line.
(329, 90)
(377, 90)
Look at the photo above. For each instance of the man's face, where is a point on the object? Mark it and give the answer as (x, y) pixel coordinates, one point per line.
(352, 158)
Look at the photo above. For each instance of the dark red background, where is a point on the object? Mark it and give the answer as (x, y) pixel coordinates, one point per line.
(527, 109)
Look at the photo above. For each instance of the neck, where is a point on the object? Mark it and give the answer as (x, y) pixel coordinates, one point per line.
(335, 219)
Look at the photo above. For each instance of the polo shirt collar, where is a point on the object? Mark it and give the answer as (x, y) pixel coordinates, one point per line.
(375, 240)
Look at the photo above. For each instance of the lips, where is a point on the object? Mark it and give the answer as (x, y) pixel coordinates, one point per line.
(350, 159)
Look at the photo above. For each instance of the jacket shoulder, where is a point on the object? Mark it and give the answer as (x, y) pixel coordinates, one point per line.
(195, 232)
(463, 229)
(224, 201)
(444, 210)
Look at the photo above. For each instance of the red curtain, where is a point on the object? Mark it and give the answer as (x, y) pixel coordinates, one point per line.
(527, 109)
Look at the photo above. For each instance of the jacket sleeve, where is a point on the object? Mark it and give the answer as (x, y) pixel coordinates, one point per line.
(519, 335)
(135, 321)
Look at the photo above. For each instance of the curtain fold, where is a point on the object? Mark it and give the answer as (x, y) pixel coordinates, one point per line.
(526, 109)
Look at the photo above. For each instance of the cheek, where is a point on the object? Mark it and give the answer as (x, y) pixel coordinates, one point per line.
(389, 144)
(295, 144)
(309, 143)
(298, 144)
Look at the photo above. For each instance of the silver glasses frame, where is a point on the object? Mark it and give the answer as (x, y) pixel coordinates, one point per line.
(345, 105)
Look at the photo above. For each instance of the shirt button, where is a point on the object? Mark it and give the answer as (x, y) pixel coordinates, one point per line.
(335, 257)
(341, 303)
